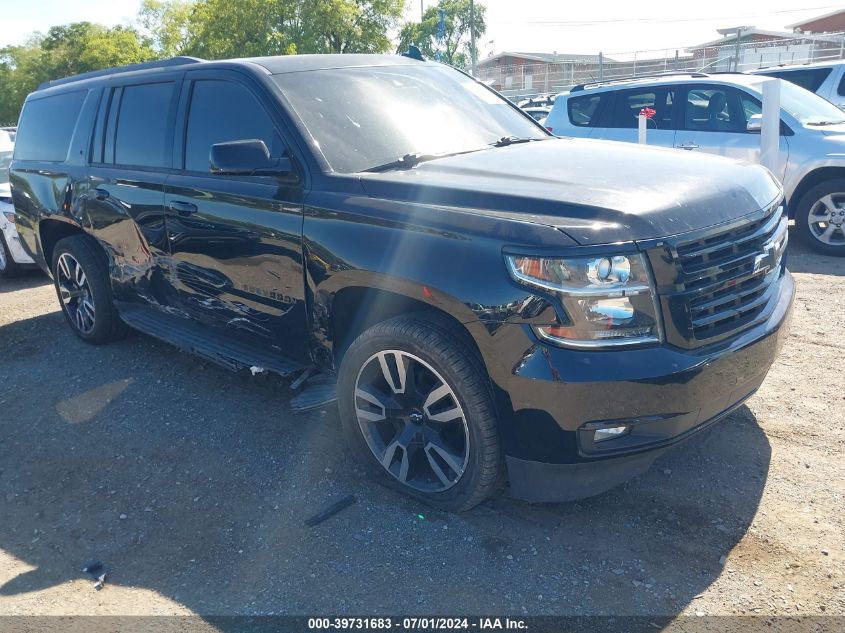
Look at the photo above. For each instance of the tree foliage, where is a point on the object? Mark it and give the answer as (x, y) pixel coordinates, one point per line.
(454, 46)
(212, 29)
(167, 25)
(216, 29)
(65, 50)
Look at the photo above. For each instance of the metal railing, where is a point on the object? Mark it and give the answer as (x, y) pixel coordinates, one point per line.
(519, 81)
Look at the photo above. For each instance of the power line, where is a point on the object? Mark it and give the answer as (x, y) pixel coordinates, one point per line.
(659, 20)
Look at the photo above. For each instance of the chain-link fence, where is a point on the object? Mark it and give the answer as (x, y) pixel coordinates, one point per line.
(518, 78)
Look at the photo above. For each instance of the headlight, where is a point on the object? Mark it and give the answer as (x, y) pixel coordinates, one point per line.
(607, 300)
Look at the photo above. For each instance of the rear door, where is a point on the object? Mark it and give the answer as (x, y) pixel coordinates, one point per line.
(130, 161)
(715, 119)
(622, 123)
(236, 241)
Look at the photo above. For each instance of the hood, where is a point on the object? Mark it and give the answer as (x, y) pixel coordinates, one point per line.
(595, 191)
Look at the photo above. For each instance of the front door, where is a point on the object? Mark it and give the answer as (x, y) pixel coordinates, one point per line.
(715, 120)
(235, 241)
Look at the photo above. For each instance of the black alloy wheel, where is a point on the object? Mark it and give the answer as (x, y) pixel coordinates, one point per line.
(412, 421)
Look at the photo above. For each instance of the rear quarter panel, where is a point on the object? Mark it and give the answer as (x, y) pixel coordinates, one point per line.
(53, 190)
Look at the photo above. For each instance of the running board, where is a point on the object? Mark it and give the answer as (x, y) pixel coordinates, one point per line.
(318, 392)
(190, 336)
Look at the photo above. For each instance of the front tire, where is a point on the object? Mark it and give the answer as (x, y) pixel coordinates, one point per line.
(820, 217)
(416, 407)
(8, 266)
(80, 276)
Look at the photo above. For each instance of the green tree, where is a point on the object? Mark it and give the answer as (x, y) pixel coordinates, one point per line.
(21, 70)
(454, 46)
(349, 26)
(217, 29)
(167, 24)
(221, 28)
(83, 46)
(65, 50)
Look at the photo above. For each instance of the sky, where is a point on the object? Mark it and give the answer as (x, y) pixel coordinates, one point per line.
(543, 26)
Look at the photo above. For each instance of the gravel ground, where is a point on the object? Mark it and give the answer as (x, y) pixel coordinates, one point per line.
(192, 485)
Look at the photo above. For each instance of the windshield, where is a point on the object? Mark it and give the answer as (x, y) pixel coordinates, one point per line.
(807, 107)
(361, 118)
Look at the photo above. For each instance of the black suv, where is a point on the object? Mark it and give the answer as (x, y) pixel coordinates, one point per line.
(478, 296)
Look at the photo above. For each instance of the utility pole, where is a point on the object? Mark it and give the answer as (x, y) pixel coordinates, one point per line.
(422, 10)
(736, 52)
(472, 53)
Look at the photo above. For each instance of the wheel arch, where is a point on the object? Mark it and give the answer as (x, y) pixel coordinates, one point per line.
(810, 180)
(356, 308)
(50, 231)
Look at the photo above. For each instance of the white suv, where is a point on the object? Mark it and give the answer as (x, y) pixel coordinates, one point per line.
(715, 113)
(826, 79)
(12, 256)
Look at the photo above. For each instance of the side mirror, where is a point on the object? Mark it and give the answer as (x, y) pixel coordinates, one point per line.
(755, 123)
(249, 157)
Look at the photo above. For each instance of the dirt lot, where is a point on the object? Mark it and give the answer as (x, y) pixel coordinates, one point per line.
(192, 484)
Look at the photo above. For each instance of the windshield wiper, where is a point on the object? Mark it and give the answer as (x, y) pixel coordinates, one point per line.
(513, 140)
(412, 160)
(825, 122)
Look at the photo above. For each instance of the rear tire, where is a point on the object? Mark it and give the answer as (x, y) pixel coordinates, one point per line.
(8, 266)
(80, 275)
(820, 217)
(432, 422)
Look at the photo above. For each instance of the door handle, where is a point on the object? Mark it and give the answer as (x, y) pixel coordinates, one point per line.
(688, 145)
(183, 208)
(101, 194)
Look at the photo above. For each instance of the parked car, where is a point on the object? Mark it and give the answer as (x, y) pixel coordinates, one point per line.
(10, 132)
(13, 258)
(826, 79)
(721, 114)
(540, 101)
(538, 113)
(469, 314)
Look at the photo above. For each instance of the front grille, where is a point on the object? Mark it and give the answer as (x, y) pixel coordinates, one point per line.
(724, 280)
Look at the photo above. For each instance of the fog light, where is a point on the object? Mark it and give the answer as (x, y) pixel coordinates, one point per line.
(609, 433)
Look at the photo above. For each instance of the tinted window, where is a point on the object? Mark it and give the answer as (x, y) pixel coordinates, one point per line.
(717, 109)
(361, 118)
(46, 127)
(582, 110)
(142, 125)
(225, 111)
(629, 103)
(809, 78)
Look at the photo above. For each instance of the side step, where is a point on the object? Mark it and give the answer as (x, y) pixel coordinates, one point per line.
(318, 392)
(190, 336)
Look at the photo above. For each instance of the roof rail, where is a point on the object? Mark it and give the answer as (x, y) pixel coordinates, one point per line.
(161, 63)
(669, 73)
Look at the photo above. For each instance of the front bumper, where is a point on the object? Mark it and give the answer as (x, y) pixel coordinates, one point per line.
(558, 398)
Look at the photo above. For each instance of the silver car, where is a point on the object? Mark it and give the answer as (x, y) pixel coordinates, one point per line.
(826, 79)
(719, 114)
